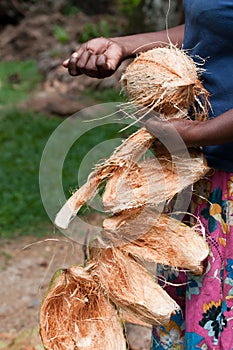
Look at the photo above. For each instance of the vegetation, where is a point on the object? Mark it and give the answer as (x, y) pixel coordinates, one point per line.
(105, 95)
(17, 80)
(92, 30)
(128, 6)
(70, 10)
(23, 136)
(60, 34)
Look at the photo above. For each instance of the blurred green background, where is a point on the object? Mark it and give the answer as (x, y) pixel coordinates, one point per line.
(36, 37)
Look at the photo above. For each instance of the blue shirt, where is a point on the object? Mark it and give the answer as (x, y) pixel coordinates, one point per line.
(209, 35)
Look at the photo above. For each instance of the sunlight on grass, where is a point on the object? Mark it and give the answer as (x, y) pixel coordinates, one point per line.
(17, 79)
(23, 136)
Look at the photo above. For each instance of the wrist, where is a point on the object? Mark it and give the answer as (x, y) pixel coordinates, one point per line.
(193, 132)
(127, 49)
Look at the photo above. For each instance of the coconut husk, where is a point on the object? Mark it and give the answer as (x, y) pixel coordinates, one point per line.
(166, 80)
(153, 181)
(76, 315)
(129, 152)
(128, 317)
(157, 238)
(131, 287)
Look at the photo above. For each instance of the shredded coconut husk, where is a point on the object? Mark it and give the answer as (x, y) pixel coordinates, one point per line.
(166, 80)
(153, 181)
(127, 153)
(76, 315)
(128, 317)
(158, 238)
(131, 287)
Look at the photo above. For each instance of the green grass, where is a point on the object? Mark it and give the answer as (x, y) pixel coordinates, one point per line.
(17, 80)
(105, 95)
(70, 10)
(23, 137)
(95, 30)
(60, 34)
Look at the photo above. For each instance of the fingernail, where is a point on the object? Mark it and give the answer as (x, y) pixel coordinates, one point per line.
(74, 55)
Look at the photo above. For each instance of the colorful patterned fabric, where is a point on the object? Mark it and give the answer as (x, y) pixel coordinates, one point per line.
(206, 301)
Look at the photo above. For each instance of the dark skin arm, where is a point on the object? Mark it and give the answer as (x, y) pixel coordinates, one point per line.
(101, 57)
(196, 133)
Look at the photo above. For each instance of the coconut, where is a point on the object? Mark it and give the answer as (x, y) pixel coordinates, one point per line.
(152, 181)
(131, 286)
(157, 238)
(76, 315)
(129, 152)
(166, 80)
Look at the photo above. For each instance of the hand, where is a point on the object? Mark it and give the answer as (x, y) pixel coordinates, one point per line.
(97, 58)
(194, 133)
(172, 131)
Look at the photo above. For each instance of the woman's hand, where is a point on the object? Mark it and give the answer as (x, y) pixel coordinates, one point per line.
(97, 58)
(195, 133)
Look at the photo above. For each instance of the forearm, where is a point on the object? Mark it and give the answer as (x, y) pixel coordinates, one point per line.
(214, 131)
(133, 44)
(100, 57)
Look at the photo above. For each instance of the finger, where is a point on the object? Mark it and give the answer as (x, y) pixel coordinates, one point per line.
(103, 67)
(114, 56)
(65, 63)
(98, 45)
(82, 61)
(72, 61)
(72, 64)
(91, 68)
(101, 61)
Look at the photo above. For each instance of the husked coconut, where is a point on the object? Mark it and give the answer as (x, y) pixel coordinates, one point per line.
(153, 181)
(157, 238)
(167, 80)
(76, 315)
(129, 152)
(131, 286)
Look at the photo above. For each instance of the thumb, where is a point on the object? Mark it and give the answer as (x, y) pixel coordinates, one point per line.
(114, 57)
(65, 63)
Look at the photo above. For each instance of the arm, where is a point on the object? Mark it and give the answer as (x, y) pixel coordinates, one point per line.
(100, 57)
(196, 133)
(137, 43)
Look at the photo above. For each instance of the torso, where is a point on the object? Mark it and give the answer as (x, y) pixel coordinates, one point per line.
(209, 41)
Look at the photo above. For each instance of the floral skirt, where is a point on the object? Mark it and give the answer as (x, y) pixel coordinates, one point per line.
(206, 301)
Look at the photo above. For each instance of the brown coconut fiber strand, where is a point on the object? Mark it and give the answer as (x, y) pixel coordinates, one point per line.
(127, 153)
(131, 287)
(152, 181)
(166, 80)
(158, 238)
(76, 315)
